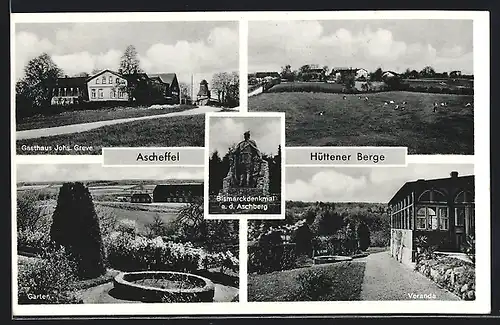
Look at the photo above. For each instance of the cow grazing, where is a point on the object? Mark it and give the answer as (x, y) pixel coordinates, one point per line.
(404, 103)
(321, 113)
(345, 97)
(468, 105)
(391, 102)
(386, 103)
(396, 107)
(435, 107)
(366, 98)
(359, 97)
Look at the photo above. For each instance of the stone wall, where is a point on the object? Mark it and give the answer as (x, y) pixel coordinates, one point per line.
(455, 275)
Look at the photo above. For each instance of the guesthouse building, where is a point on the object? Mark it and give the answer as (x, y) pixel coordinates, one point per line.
(107, 85)
(178, 192)
(169, 86)
(69, 90)
(441, 209)
(141, 198)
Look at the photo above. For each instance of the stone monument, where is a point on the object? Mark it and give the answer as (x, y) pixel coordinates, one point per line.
(248, 172)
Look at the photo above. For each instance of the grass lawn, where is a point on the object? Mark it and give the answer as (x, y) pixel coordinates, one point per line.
(355, 122)
(307, 87)
(93, 115)
(329, 282)
(176, 131)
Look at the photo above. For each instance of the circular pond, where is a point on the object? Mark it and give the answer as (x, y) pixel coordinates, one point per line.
(164, 286)
(330, 259)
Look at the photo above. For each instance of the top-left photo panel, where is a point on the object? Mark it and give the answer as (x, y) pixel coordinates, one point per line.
(83, 86)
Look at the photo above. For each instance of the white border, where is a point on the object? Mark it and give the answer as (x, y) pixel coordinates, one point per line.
(480, 158)
(206, 196)
(150, 165)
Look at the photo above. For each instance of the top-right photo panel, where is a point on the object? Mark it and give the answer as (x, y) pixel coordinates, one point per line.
(407, 82)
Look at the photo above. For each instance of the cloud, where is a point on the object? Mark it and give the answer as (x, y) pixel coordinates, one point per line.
(361, 184)
(86, 47)
(28, 46)
(305, 42)
(226, 131)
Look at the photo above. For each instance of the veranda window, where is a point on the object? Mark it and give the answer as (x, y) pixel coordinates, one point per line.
(421, 218)
(444, 223)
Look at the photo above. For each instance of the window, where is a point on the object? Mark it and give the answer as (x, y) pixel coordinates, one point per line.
(97, 81)
(120, 93)
(93, 93)
(460, 217)
(110, 80)
(421, 218)
(432, 196)
(117, 80)
(103, 80)
(464, 197)
(433, 218)
(112, 93)
(443, 218)
(101, 93)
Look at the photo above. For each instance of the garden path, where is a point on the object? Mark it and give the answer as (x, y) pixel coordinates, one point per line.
(75, 128)
(387, 279)
(101, 294)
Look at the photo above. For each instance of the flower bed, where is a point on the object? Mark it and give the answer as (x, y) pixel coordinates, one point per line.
(455, 275)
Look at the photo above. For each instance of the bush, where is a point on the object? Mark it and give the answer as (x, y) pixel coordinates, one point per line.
(75, 226)
(363, 234)
(264, 258)
(313, 284)
(380, 238)
(47, 280)
(128, 252)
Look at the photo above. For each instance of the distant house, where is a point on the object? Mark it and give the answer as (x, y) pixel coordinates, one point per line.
(315, 74)
(262, 75)
(440, 209)
(389, 74)
(339, 74)
(107, 85)
(361, 74)
(455, 74)
(169, 86)
(141, 198)
(69, 90)
(181, 192)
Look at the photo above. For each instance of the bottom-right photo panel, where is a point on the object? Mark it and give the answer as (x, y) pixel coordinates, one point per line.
(382, 233)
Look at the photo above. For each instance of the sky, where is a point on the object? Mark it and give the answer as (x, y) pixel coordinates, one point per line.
(186, 48)
(84, 172)
(360, 184)
(446, 45)
(226, 131)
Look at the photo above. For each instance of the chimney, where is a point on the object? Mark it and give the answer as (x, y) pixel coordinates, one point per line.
(454, 174)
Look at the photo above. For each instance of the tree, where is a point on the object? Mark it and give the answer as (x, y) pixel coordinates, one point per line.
(349, 80)
(275, 173)
(34, 90)
(227, 86)
(287, 73)
(82, 74)
(303, 73)
(427, 72)
(129, 62)
(215, 172)
(156, 227)
(350, 238)
(29, 217)
(376, 75)
(75, 226)
(185, 90)
(363, 234)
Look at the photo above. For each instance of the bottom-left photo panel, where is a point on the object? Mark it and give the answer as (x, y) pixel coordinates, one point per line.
(98, 235)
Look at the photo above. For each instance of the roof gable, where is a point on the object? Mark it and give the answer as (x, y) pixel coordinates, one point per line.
(103, 71)
(167, 78)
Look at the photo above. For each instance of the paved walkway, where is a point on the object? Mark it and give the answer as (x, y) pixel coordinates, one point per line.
(387, 279)
(101, 294)
(75, 128)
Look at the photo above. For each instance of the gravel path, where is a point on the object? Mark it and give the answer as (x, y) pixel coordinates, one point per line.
(387, 279)
(101, 294)
(75, 128)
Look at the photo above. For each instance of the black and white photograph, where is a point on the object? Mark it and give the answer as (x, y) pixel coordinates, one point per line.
(245, 164)
(86, 85)
(372, 234)
(88, 234)
(367, 82)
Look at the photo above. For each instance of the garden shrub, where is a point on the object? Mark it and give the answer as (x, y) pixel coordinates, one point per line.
(380, 238)
(76, 227)
(313, 285)
(264, 258)
(363, 234)
(47, 280)
(129, 252)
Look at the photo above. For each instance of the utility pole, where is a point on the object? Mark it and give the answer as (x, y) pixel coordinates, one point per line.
(192, 89)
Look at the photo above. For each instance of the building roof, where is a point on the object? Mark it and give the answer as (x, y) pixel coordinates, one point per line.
(167, 78)
(267, 74)
(409, 187)
(71, 82)
(103, 71)
(136, 77)
(180, 183)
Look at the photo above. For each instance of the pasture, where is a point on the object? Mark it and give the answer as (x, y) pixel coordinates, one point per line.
(319, 87)
(95, 115)
(175, 131)
(449, 83)
(324, 119)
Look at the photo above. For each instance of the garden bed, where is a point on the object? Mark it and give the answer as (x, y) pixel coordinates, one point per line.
(455, 275)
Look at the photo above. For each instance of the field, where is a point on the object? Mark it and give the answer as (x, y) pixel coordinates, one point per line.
(306, 87)
(441, 83)
(94, 115)
(330, 282)
(177, 131)
(355, 122)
